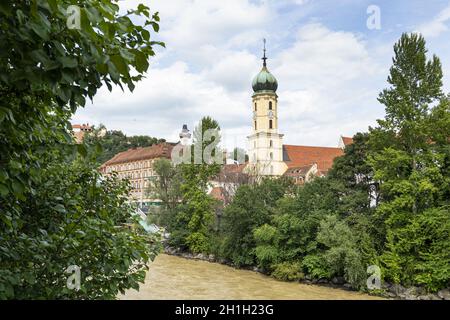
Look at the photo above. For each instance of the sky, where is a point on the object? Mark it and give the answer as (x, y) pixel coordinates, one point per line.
(331, 60)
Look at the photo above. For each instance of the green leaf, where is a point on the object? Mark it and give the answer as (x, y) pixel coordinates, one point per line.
(141, 61)
(60, 208)
(2, 115)
(145, 35)
(68, 62)
(120, 64)
(39, 30)
(18, 187)
(81, 148)
(155, 26)
(3, 190)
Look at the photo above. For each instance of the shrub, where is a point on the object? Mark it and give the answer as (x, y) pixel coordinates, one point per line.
(266, 251)
(342, 254)
(288, 271)
(316, 266)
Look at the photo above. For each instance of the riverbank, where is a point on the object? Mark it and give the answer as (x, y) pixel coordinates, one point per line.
(389, 291)
(179, 278)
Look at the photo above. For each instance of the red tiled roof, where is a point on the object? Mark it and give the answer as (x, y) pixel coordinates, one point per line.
(162, 150)
(347, 140)
(299, 156)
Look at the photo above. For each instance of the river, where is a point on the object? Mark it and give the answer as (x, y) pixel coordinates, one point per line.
(172, 277)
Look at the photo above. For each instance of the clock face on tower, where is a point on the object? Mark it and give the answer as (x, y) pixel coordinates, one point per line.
(270, 114)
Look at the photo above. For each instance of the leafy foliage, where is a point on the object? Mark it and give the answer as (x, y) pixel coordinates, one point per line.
(288, 271)
(316, 266)
(251, 208)
(342, 255)
(385, 202)
(78, 218)
(183, 191)
(54, 212)
(409, 155)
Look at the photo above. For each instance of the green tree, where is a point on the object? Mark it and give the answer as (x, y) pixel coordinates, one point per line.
(76, 218)
(195, 213)
(47, 71)
(165, 186)
(409, 156)
(252, 207)
(342, 254)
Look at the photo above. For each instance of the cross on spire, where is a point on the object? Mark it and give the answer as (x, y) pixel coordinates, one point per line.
(264, 58)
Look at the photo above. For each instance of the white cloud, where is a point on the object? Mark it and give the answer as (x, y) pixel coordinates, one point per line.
(438, 25)
(327, 86)
(328, 80)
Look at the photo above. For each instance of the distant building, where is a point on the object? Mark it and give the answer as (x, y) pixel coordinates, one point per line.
(136, 165)
(79, 131)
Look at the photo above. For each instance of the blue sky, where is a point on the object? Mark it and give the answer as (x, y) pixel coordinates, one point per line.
(330, 66)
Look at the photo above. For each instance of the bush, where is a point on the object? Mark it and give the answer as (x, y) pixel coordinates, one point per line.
(266, 256)
(252, 207)
(288, 271)
(198, 242)
(422, 248)
(316, 266)
(342, 254)
(78, 219)
(267, 251)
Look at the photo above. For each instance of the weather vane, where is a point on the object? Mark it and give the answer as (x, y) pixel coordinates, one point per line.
(264, 57)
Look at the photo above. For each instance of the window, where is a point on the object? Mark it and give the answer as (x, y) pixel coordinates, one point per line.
(271, 143)
(270, 124)
(255, 125)
(256, 109)
(270, 105)
(254, 144)
(271, 156)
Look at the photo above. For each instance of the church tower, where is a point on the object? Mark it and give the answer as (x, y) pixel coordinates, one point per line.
(265, 143)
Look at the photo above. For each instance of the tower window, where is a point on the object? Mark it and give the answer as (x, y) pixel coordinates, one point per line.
(271, 156)
(270, 105)
(256, 109)
(255, 124)
(271, 143)
(270, 124)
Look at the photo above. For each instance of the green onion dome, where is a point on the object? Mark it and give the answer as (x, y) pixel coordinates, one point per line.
(264, 81)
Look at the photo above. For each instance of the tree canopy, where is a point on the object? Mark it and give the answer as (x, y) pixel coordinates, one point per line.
(55, 210)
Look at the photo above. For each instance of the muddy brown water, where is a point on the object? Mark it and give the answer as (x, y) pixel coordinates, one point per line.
(172, 277)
